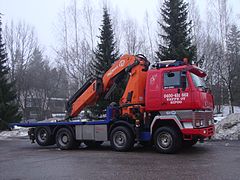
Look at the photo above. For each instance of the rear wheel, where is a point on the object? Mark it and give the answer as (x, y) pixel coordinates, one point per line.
(44, 136)
(167, 140)
(121, 139)
(65, 139)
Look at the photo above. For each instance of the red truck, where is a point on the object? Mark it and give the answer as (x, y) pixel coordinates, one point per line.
(167, 106)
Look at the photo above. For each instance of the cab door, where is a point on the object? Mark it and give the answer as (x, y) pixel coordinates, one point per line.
(153, 90)
(176, 92)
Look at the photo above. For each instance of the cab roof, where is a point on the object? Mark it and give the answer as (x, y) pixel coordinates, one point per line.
(178, 65)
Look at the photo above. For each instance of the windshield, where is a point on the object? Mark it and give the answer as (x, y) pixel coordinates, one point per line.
(198, 82)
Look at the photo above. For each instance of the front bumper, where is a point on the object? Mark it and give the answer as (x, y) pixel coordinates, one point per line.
(200, 132)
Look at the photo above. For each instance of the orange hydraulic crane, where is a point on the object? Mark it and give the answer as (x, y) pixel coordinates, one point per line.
(135, 66)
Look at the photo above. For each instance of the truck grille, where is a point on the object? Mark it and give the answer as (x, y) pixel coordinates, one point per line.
(204, 118)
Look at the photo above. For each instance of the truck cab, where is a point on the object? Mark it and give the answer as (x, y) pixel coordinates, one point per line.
(179, 92)
(177, 88)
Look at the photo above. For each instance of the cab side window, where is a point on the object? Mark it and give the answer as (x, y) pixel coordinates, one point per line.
(172, 80)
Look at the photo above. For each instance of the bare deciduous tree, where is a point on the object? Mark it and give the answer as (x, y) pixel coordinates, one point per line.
(20, 42)
(76, 46)
(148, 32)
(130, 37)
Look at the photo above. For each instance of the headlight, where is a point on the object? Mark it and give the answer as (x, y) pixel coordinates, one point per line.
(210, 122)
(198, 122)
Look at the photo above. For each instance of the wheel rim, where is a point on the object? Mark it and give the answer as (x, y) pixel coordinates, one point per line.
(63, 139)
(164, 140)
(42, 135)
(119, 139)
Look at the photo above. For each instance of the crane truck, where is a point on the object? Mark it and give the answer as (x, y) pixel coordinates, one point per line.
(168, 106)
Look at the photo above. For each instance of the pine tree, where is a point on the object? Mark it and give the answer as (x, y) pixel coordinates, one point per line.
(106, 52)
(233, 43)
(177, 40)
(233, 62)
(105, 55)
(8, 106)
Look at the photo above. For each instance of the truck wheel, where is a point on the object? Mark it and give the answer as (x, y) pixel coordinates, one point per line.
(121, 139)
(44, 136)
(65, 139)
(167, 140)
(93, 144)
(189, 143)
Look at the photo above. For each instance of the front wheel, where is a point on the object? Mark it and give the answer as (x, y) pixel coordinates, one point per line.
(167, 140)
(121, 139)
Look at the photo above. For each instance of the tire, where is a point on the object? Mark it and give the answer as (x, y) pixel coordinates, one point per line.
(167, 140)
(121, 139)
(189, 143)
(65, 139)
(93, 144)
(43, 136)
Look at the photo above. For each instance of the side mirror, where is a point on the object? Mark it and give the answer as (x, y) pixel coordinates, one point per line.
(183, 80)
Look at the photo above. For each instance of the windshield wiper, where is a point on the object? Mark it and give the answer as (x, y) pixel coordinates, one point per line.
(203, 87)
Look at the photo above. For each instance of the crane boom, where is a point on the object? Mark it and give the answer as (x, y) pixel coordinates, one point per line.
(90, 92)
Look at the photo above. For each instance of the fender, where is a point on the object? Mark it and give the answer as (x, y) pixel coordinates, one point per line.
(121, 122)
(56, 128)
(167, 117)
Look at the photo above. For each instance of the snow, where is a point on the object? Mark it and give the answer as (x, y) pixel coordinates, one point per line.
(21, 131)
(224, 113)
(228, 128)
(225, 110)
(217, 119)
(16, 132)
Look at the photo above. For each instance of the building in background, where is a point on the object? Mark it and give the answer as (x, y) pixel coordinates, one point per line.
(36, 109)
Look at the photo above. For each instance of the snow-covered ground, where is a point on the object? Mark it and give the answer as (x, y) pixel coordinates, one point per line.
(228, 128)
(225, 111)
(16, 132)
(22, 132)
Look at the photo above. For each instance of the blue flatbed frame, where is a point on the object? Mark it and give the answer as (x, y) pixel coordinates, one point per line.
(63, 123)
(146, 136)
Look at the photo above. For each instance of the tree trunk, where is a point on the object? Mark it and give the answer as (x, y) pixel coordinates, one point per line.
(229, 100)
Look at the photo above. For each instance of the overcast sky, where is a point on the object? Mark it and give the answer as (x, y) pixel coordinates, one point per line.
(42, 14)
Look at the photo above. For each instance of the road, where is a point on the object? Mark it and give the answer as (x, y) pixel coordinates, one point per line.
(212, 160)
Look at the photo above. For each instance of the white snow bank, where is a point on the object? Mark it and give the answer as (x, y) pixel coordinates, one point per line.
(224, 113)
(228, 128)
(217, 119)
(16, 132)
